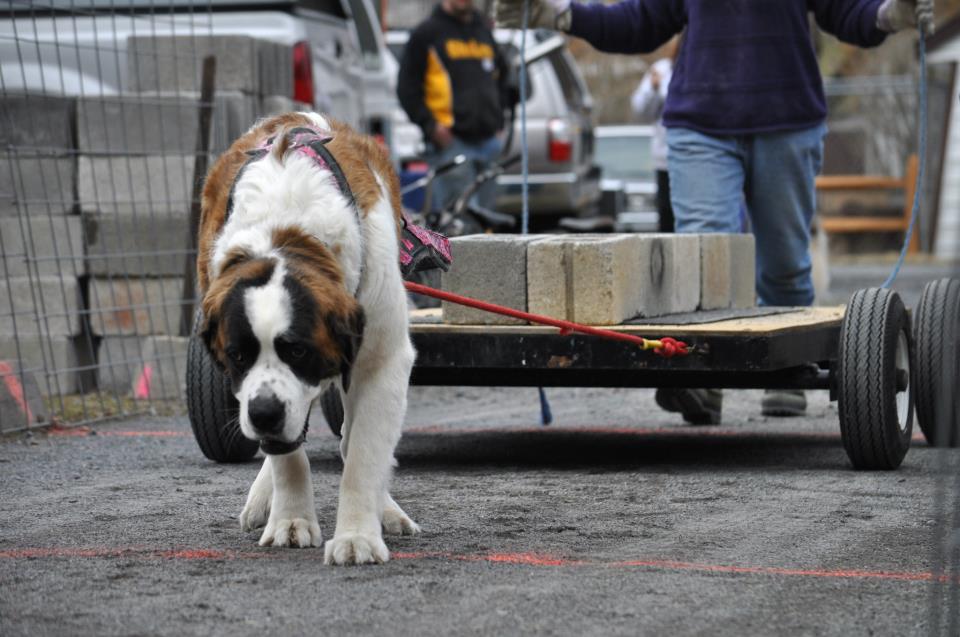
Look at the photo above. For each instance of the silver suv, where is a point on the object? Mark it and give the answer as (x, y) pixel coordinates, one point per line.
(563, 178)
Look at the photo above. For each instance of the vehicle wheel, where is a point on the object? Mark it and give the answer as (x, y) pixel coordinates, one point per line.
(213, 408)
(936, 334)
(332, 407)
(875, 401)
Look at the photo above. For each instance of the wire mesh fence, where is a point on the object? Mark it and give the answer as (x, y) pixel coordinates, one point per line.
(102, 158)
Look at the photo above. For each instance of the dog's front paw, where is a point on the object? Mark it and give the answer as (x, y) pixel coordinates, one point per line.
(396, 522)
(254, 514)
(355, 548)
(291, 532)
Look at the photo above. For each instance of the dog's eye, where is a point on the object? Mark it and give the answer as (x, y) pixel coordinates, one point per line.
(235, 355)
(298, 351)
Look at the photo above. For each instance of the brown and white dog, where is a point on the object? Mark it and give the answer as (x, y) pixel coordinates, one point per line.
(301, 289)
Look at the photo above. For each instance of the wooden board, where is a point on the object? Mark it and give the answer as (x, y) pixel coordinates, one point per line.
(428, 321)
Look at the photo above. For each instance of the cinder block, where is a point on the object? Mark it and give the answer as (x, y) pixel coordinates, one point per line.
(162, 372)
(21, 404)
(669, 274)
(47, 245)
(60, 364)
(715, 271)
(276, 68)
(33, 184)
(33, 120)
(589, 279)
(743, 276)
(175, 63)
(119, 360)
(489, 267)
(140, 244)
(125, 185)
(33, 306)
(135, 306)
(160, 124)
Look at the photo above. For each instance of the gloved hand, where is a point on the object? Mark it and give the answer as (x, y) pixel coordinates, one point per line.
(896, 15)
(545, 14)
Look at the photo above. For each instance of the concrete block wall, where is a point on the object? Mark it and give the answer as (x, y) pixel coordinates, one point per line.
(600, 279)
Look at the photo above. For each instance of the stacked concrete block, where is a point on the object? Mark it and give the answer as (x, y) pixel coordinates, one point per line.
(135, 185)
(152, 245)
(39, 306)
(164, 364)
(45, 245)
(126, 306)
(59, 363)
(743, 287)
(174, 63)
(119, 362)
(489, 267)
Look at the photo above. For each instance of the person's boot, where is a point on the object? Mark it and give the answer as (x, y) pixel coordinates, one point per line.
(783, 402)
(697, 406)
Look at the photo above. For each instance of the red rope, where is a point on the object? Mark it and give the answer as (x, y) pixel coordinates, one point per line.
(666, 347)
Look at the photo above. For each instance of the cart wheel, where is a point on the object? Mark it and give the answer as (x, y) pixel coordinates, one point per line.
(936, 333)
(213, 408)
(875, 401)
(332, 407)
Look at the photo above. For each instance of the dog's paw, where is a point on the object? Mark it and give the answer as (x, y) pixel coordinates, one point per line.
(396, 522)
(355, 548)
(298, 532)
(255, 513)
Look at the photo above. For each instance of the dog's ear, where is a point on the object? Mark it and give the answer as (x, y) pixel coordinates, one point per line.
(207, 330)
(347, 331)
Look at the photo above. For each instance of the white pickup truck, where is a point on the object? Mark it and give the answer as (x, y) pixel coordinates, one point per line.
(79, 47)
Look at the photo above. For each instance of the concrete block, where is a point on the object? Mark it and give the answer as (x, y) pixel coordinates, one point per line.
(164, 364)
(37, 121)
(160, 123)
(126, 185)
(33, 184)
(119, 361)
(669, 273)
(276, 68)
(584, 278)
(135, 306)
(489, 267)
(743, 276)
(47, 245)
(715, 271)
(139, 245)
(60, 364)
(174, 63)
(34, 306)
(21, 404)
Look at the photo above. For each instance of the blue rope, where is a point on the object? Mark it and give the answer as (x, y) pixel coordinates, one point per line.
(922, 144)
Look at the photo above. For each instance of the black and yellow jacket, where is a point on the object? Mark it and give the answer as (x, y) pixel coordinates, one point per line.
(453, 73)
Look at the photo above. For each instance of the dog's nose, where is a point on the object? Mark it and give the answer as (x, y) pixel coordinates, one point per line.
(266, 413)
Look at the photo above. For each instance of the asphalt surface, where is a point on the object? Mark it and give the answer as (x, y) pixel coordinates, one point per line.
(616, 519)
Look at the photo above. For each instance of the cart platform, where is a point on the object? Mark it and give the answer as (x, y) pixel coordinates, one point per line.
(756, 347)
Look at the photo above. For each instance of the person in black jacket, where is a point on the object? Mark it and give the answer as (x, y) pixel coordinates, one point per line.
(453, 84)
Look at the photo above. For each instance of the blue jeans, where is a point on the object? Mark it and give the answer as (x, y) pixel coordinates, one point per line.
(774, 173)
(450, 185)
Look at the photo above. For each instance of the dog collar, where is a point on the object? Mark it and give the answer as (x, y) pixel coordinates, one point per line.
(280, 448)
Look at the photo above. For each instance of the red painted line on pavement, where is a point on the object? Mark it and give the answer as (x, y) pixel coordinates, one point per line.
(522, 558)
(81, 432)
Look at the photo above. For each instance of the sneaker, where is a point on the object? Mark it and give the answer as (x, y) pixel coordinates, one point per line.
(698, 406)
(784, 402)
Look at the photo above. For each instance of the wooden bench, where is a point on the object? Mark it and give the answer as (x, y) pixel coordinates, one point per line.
(851, 224)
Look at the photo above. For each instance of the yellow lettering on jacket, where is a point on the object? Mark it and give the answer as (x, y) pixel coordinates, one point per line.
(469, 50)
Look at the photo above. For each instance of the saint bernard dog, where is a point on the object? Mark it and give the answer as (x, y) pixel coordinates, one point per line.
(301, 289)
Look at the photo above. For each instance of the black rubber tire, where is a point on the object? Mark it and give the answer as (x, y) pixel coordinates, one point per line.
(870, 426)
(936, 333)
(213, 408)
(332, 407)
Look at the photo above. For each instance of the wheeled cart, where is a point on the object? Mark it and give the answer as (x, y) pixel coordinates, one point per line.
(866, 354)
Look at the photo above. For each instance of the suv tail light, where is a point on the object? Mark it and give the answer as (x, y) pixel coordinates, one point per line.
(302, 73)
(559, 140)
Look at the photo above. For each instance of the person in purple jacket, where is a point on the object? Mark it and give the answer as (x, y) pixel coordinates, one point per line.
(745, 120)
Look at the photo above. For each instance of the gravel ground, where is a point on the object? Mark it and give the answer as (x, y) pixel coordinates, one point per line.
(615, 520)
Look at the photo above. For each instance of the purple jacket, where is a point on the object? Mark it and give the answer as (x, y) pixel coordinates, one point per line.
(745, 66)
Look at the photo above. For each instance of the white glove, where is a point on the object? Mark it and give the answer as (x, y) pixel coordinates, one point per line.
(896, 15)
(544, 14)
